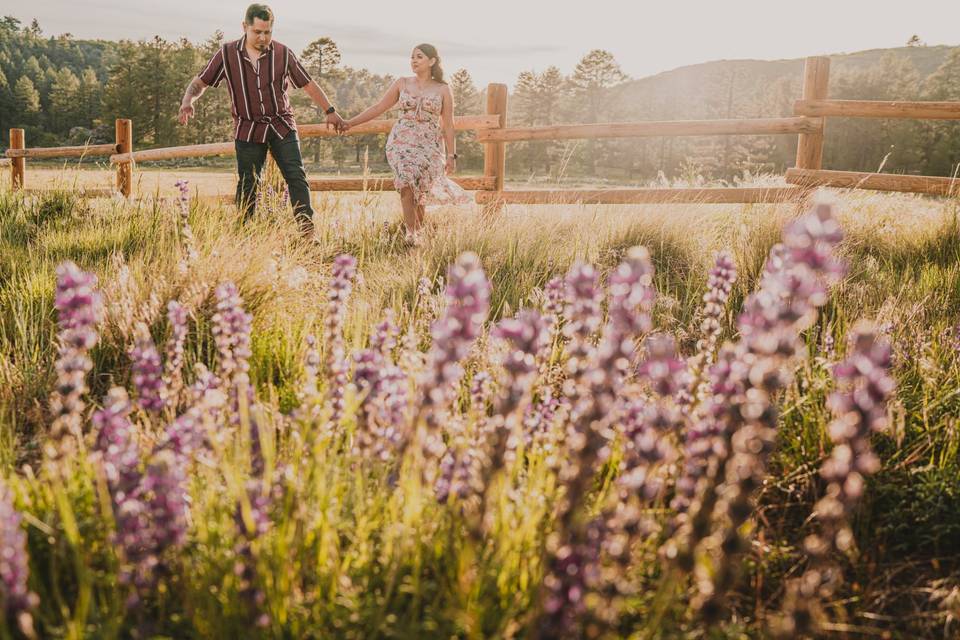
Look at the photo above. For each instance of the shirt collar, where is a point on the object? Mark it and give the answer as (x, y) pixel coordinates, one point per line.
(242, 46)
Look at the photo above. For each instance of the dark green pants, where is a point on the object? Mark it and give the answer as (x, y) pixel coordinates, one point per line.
(286, 153)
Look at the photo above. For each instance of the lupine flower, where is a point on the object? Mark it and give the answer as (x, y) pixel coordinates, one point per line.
(251, 524)
(368, 365)
(204, 383)
(80, 309)
(187, 241)
(582, 314)
(661, 368)
(573, 571)
(859, 407)
(595, 399)
(648, 426)
(719, 285)
(16, 599)
(384, 337)
(309, 390)
(390, 410)
(954, 338)
(829, 345)
(341, 284)
(596, 395)
(381, 420)
(460, 469)
(173, 368)
(147, 371)
(163, 487)
(524, 337)
(116, 444)
(481, 387)
(553, 304)
(468, 302)
(151, 522)
(793, 285)
(231, 331)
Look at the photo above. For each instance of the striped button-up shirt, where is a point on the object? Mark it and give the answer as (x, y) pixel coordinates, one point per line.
(258, 90)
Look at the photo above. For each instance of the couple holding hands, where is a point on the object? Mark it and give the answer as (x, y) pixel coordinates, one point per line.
(258, 70)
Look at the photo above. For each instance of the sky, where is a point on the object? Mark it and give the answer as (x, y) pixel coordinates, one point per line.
(496, 39)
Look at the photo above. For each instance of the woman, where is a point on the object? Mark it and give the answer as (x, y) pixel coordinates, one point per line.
(421, 147)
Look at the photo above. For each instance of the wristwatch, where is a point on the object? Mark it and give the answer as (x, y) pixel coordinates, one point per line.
(330, 109)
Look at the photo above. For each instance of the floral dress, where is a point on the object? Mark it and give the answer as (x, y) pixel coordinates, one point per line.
(415, 151)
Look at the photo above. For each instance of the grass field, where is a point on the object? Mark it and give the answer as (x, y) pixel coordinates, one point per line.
(298, 510)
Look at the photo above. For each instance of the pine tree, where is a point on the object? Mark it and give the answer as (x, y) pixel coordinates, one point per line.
(64, 108)
(27, 100)
(321, 58)
(212, 121)
(466, 100)
(590, 85)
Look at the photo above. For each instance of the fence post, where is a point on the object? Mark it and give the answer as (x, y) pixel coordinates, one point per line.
(17, 165)
(494, 153)
(816, 80)
(124, 131)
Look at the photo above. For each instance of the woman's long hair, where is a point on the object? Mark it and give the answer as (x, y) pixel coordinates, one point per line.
(436, 71)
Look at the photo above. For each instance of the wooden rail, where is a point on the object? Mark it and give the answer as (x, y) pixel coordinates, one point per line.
(385, 183)
(64, 152)
(170, 153)
(928, 185)
(720, 195)
(876, 109)
(460, 123)
(670, 128)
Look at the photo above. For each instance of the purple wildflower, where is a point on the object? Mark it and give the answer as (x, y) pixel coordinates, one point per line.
(596, 394)
(524, 336)
(173, 370)
(231, 331)
(16, 599)
(309, 389)
(661, 368)
(252, 520)
(187, 242)
(147, 371)
(116, 444)
(859, 407)
(719, 286)
(80, 309)
(793, 286)
(341, 284)
(468, 302)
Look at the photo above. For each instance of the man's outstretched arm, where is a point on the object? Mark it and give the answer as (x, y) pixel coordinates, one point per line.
(194, 90)
(317, 94)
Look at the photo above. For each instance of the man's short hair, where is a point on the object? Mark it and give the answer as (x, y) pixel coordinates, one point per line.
(261, 11)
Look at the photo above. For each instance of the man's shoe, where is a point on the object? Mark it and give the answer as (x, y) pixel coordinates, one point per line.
(306, 227)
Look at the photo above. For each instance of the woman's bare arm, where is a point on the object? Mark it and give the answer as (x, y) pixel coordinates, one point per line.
(389, 99)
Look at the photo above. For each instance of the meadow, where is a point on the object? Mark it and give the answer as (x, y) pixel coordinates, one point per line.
(525, 427)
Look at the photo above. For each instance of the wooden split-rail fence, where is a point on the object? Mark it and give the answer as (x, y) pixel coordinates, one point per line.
(808, 123)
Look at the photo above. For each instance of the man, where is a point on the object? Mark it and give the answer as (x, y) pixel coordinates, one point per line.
(258, 71)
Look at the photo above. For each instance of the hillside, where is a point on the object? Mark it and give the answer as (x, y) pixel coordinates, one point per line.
(699, 87)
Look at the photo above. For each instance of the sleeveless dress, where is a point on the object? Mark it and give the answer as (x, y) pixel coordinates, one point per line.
(416, 153)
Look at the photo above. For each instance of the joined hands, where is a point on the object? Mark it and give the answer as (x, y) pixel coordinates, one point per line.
(340, 125)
